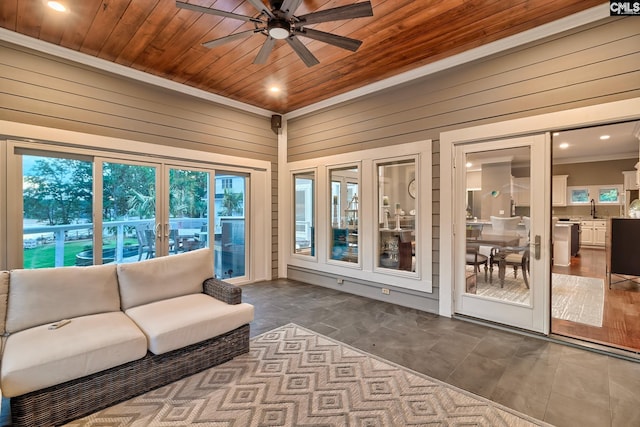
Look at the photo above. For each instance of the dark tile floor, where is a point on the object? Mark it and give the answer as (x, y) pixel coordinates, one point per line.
(561, 385)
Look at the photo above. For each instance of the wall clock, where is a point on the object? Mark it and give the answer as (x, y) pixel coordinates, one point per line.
(412, 188)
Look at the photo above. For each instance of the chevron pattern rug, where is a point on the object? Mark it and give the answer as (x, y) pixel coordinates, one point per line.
(295, 377)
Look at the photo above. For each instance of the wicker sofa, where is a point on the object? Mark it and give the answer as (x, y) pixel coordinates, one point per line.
(133, 327)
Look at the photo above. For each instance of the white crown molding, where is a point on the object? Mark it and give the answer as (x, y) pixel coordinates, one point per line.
(573, 21)
(121, 70)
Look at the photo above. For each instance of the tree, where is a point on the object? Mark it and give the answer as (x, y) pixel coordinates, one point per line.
(58, 191)
(231, 203)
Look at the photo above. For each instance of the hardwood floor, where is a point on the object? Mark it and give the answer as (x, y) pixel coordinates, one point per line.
(621, 316)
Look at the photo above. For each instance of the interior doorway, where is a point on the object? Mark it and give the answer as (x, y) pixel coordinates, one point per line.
(600, 183)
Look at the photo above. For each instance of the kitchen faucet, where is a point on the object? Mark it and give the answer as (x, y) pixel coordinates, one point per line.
(593, 208)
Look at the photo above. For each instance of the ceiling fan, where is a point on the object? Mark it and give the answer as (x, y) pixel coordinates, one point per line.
(280, 23)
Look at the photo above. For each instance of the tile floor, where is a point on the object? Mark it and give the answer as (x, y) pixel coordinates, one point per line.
(561, 385)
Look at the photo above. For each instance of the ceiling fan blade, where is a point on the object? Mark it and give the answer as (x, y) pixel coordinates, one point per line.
(340, 41)
(260, 7)
(216, 12)
(302, 51)
(357, 10)
(229, 38)
(265, 50)
(289, 7)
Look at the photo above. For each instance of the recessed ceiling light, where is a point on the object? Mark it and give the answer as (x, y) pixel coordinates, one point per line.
(274, 89)
(603, 137)
(469, 164)
(556, 133)
(564, 145)
(57, 6)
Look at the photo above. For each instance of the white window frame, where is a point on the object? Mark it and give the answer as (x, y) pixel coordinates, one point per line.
(366, 269)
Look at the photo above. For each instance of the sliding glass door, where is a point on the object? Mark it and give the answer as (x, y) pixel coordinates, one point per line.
(132, 210)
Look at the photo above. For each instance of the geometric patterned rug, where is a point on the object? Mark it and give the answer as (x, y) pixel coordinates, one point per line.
(295, 377)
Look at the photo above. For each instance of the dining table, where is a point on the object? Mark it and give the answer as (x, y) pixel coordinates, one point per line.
(499, 244)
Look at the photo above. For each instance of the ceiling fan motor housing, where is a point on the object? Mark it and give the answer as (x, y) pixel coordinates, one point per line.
(278, 28)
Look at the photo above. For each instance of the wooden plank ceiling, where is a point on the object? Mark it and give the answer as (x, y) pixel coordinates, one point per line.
(156, 37)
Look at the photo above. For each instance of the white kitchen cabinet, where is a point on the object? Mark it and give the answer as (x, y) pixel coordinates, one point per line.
(559, 190)
(630, 180)
(599, 233)
(593, 232)
(586, 233)
(521, 191)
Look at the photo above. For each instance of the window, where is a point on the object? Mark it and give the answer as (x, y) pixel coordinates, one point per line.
(373, 212)
(304, 215)
(397, 201)
(344, 202)
(227, 183)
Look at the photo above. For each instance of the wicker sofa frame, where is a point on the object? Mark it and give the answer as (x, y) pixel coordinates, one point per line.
(83, 396)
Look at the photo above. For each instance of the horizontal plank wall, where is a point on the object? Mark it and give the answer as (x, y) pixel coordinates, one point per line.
(590, 65)
(44, 90)
(47, 91)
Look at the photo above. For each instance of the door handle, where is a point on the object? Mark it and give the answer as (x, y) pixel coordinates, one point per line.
(536, 246)
(167, 229)
(158, 231)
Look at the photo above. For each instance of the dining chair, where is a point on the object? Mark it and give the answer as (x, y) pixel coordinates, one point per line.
(476, 259)
(504, 225)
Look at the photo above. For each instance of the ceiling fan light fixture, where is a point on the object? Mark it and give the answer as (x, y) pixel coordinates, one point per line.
(57, 6)
(279, 29)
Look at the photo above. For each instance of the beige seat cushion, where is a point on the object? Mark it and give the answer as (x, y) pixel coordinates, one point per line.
(165, 277)
(181, 321)
(40, 357)
(45, 295)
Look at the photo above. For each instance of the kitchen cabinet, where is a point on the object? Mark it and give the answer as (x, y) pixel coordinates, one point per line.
(559, 190)
(593, 232)
(630, 180)
(521, 192)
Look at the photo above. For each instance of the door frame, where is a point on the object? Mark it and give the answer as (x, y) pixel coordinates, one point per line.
(535, 316)
(628, 109)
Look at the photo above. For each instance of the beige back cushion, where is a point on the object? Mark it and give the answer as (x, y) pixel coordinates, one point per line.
(4, 291)
(165, 277)
(45, 295)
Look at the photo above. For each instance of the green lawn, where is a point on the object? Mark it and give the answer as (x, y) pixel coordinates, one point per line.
(44, 256)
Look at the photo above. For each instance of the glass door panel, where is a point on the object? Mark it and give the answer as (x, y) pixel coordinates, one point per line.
(503, 259)
(129, 209)
(497, 239)
(57, 199)
(188, 210)
(230, 224)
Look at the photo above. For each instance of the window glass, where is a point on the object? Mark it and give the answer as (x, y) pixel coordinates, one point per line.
(397, 202)
(304, 188)
(344, 202)
(57, 196)
(230, 225)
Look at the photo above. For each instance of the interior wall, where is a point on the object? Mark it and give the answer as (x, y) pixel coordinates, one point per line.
(590, 65)
(48, 91)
